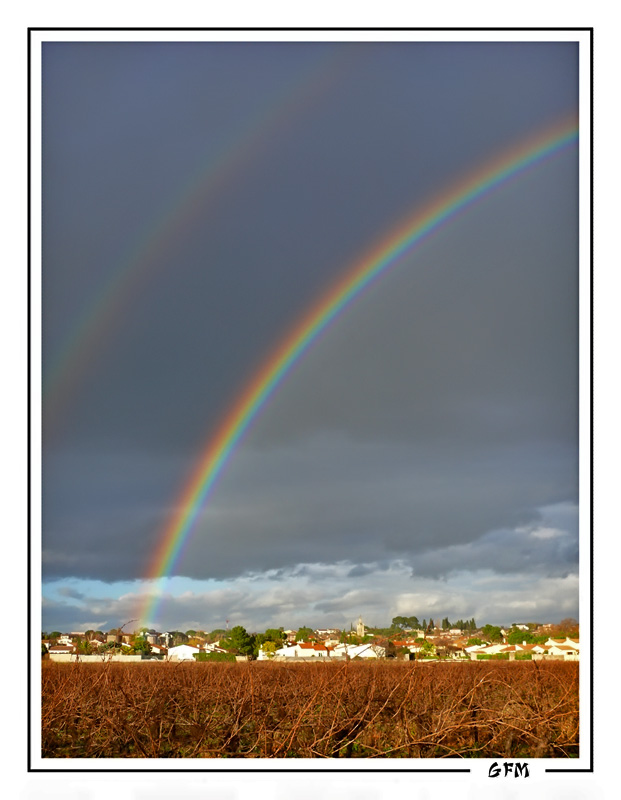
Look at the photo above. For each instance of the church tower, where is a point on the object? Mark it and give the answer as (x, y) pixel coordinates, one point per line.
(360, 627)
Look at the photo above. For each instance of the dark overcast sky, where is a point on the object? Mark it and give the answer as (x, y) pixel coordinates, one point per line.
(424, 452)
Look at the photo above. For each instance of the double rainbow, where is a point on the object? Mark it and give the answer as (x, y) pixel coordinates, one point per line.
(374, 264)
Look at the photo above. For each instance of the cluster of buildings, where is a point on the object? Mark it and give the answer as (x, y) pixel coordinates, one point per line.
(339, 650)
(565, 648)
(324, 644)
(68, 647)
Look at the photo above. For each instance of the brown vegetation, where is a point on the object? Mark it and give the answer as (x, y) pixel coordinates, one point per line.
(384, 709)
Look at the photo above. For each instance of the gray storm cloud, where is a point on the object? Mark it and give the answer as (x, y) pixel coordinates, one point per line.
(432, 424)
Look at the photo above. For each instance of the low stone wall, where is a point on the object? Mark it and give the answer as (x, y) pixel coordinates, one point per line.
(548, 657)
(306, 659)
(72, 657)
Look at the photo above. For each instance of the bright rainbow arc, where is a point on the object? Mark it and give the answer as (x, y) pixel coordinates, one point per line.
(385, 254)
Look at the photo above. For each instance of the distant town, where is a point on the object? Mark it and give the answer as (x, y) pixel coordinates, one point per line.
(406, 638)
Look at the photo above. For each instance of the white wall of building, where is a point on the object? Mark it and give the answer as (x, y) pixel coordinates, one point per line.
(182, 652)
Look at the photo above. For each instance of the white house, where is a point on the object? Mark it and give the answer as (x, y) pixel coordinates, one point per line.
(182, 652)
(263, 656)
(488, 650)
(312, 650)
(301, 650)
(368, 651)
(360, 650)
(567, 642)
(537, 649)
(61, 649)
(287, 651)
(328, 636)
(212, 648)
(569, 652)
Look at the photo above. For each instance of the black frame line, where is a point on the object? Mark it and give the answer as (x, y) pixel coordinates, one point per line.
(591, 422)
(311, 29)
(29, 391)
(237, 770)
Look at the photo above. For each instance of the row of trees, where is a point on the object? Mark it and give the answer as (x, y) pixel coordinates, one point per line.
(413, 622)
(240, 642)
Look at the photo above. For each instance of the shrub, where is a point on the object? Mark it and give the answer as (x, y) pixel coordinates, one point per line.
(378, 709)
(214, 657)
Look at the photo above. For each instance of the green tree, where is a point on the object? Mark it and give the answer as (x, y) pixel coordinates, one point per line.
(190, 633)
(275, 636)
(238, 641)
(141, 646)
(427, 648)
(405, 622)
(517, 636)
(304, 634)
(467, 625)
(43, 650)
(269, 648)
(55, 634)
(349, 637)
(492, 633)
(445, 624)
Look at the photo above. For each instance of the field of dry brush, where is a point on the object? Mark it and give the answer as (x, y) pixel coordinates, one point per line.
(383, 709)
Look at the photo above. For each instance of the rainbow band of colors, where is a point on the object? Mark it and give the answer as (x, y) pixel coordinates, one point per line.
(375, 263)
(98, 322)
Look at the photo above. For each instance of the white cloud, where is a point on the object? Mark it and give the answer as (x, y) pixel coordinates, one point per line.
(298, 598)
(547, 533)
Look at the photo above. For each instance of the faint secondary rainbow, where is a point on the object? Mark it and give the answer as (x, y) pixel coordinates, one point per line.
(375, 263)
(99, 320)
